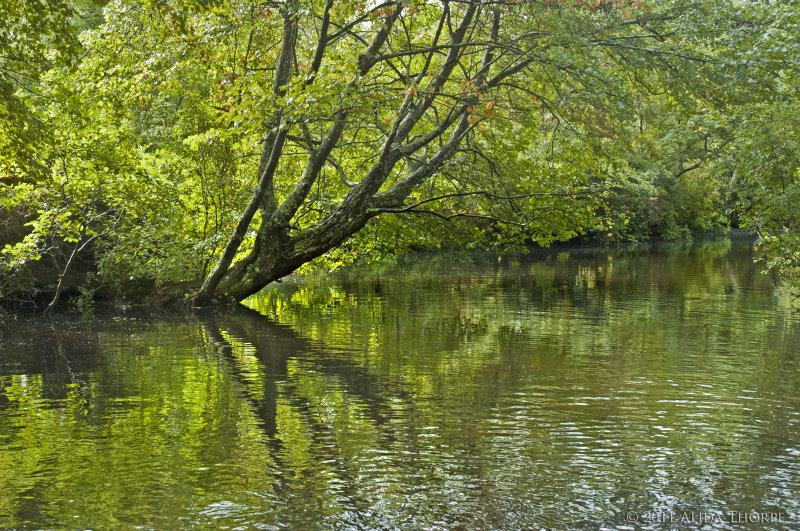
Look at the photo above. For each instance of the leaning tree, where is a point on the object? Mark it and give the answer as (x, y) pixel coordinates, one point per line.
(218, 145)
(389, 95)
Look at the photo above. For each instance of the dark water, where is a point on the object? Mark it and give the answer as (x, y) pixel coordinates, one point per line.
(586, 390)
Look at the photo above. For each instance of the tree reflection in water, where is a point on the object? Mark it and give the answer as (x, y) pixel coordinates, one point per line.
(555, 391)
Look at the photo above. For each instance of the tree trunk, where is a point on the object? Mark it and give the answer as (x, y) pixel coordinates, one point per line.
(276, 255)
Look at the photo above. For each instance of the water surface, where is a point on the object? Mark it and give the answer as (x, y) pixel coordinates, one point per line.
(582, 388)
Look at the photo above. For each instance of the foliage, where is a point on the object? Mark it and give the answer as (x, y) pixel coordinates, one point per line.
(34, 36)
(765, 175)
(668, 185)
(229, 144)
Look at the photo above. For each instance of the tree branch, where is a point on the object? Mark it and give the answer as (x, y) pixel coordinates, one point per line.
(650, 51)
(271, 154)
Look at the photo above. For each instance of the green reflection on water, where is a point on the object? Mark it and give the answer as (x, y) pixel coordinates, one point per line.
(138, 439)
(445, 392)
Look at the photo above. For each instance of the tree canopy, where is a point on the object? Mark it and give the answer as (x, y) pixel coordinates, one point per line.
(34, 36)
(211, 147)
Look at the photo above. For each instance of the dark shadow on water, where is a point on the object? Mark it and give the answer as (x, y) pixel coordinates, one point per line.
(275, 345)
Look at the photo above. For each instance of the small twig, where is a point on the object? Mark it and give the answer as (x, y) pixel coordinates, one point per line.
(340, 171)
(78, 248)
(489, 195)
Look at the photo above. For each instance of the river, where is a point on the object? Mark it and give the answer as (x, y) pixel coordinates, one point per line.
(571, 388)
